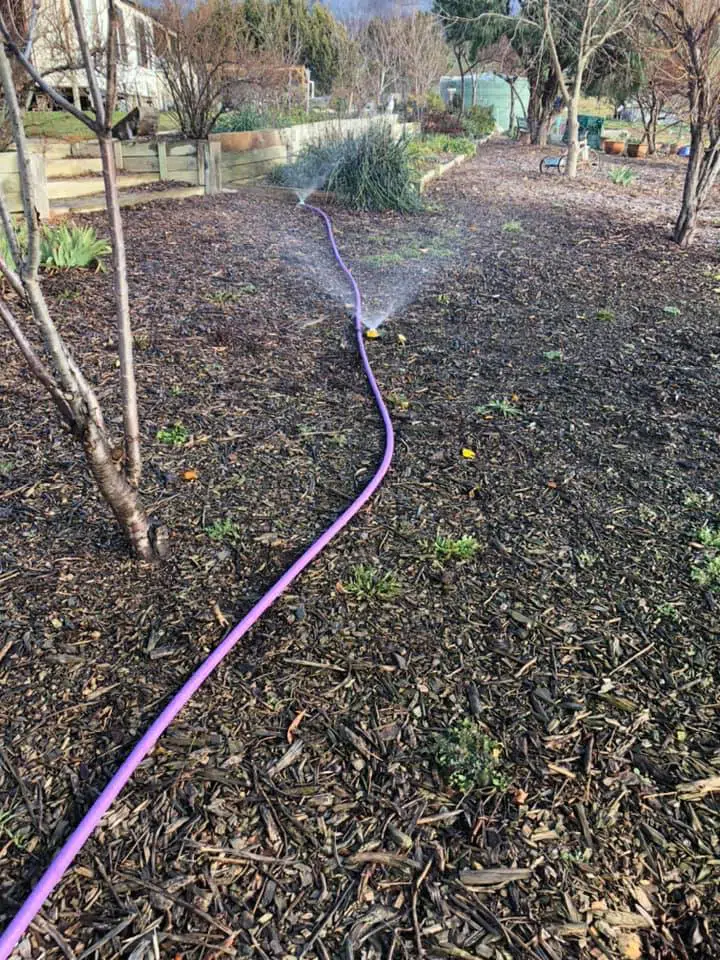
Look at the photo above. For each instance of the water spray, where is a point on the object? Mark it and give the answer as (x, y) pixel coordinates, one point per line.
(77, 839)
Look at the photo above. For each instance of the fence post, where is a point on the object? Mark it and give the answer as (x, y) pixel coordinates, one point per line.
(210, 165)
(162, 159)
(37, 172)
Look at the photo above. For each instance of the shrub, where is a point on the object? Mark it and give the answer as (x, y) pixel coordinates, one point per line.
(478, 122)
(421, 147)
(434, 102)
(369, 172)
(249, 118)
(239, 121)
(441, 121)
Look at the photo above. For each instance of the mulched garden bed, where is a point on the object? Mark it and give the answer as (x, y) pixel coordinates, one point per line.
(299, 807)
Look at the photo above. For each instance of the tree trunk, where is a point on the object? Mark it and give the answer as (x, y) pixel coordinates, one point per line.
(511, 122)
(131, 421)
(117, 492)
(573, 142)
(686, 222)
(540, 107)
(652, 129)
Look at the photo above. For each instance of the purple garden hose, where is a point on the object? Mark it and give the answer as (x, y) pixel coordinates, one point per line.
(55, 872)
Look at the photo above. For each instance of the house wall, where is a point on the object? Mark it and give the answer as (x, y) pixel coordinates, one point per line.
(140, 78)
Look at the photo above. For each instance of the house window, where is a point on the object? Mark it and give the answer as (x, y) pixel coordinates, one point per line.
(143, 42)
(121, 38)
(160, 40)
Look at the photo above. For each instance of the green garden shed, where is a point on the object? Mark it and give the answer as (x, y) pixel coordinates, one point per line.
(489, 90)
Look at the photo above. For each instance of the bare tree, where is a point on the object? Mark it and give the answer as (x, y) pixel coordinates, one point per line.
(689, 40)
(380, 44)
(116, 469)
(422, 54)
(205, 53)
(588, 25)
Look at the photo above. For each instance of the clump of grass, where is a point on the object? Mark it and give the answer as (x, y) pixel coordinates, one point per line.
(62, 247)
(553, 355)
(6, 468)
(504, 407)
(605, 315)
(223, 531)
(462, 548)
(697, 500)
(622, 176)
(67, 246)
(222, 297)
(15, 837)
(469, 758)
(368, 583)
(369, 172)
(512, 226)
(706, 573)
(173, 436)
(672, 311)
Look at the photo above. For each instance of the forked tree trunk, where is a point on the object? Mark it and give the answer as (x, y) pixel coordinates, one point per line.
(122, 305)
(117, 491)
(686, 223)
(540, 108)
(702, 172)
(573, 142)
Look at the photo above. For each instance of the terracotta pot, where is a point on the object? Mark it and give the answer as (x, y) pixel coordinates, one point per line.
(637, 150)
(614, 147)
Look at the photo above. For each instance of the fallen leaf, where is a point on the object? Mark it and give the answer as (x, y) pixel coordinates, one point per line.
(468, 454)
(520, 796)
(630, 946)
(515, 398)
(401, 339)
(372, 334)
(189, 475)
(552, 484)
(291, 730)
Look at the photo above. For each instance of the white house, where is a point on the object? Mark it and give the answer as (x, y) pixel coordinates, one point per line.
(140, 41)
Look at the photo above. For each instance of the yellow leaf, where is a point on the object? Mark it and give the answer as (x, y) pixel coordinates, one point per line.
(402, 339)
(190, 475)
(515, 398)
(468, 454)
(372, 334)
(631, 946)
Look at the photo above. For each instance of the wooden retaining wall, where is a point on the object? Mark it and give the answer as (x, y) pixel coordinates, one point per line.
(63, 171)
(251, 155)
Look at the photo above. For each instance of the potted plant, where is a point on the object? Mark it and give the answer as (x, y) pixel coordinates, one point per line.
(637, 150)
(615, 146)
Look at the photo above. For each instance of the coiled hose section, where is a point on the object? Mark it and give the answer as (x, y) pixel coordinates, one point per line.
(92, 818)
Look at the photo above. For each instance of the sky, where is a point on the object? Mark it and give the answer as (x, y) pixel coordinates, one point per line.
(355, 8)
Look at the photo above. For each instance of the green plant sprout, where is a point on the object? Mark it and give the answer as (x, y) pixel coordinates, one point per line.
(469, 758)
(622, 176)
(367, 583)
(512, 226)
(222, 531)
(503, 407)
(174, 436)
(463, 548)
(553, 355)
(607, 316)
